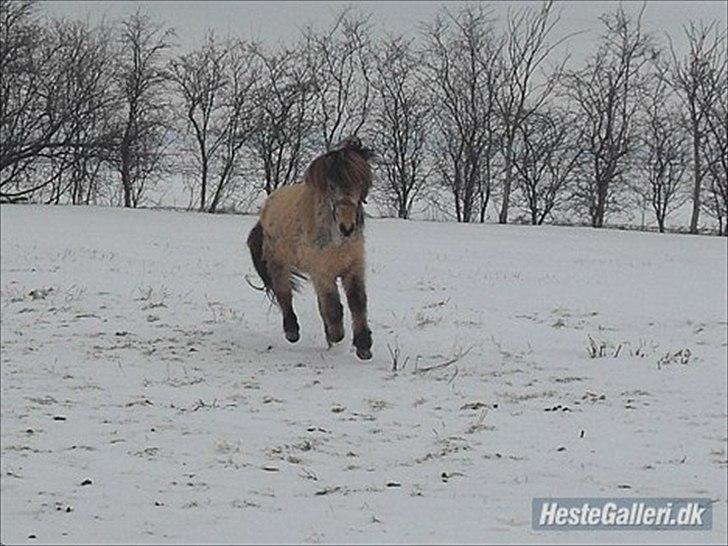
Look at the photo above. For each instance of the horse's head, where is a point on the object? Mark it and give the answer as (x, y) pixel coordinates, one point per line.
(343, 177)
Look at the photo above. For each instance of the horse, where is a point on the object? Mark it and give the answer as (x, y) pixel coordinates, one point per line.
(315, 230)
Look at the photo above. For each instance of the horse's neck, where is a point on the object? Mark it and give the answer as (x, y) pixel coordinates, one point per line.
(322, 229)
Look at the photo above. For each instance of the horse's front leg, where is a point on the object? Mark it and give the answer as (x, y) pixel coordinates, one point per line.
(331, 310)
(356, 296)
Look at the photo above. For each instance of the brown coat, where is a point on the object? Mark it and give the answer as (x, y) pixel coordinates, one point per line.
(296, 236)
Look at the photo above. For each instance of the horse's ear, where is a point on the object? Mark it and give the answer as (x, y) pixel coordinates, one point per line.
(366, 153)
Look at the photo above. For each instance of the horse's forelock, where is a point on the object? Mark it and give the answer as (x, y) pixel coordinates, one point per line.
(363, 172)
(316, 174)
(353, 171)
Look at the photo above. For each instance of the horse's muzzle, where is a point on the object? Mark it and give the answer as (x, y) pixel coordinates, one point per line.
(346, 230)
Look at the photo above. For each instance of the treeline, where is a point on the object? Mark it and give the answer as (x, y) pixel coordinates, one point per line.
(470, 114)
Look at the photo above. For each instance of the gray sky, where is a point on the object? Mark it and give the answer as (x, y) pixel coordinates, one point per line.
(271, 21)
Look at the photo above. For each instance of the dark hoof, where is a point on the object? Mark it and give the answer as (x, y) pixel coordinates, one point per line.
(290, 327)
(363, 344)
(334, 336)
(364, 354)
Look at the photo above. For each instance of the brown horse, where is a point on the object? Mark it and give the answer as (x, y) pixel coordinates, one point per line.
(316, 230)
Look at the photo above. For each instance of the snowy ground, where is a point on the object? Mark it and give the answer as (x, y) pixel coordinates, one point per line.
(137, 361)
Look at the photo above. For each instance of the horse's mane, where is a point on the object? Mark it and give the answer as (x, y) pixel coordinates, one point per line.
(346, 166)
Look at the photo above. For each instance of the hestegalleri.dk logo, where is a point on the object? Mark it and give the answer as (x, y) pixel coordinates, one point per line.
(647, 514)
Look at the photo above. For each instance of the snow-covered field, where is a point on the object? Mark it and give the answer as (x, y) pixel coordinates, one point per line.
(148, 394)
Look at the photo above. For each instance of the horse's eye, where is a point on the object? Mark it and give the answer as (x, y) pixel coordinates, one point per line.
(364, 200)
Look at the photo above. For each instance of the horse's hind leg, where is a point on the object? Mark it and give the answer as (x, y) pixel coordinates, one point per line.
(330, 308)
(283, 291)
(356, 296)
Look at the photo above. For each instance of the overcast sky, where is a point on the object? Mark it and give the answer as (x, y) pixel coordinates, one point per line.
(270, 21)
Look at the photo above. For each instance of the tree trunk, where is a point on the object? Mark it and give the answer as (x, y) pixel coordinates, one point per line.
(467, 206)
(203, 189)
(87, 199)
(503, 216)
(597, 215)
(216, 199)
(484, 199)
(221, 183)
(696, 181)
(467, 212)
(602, 190)
(126, 175)
(402, 212)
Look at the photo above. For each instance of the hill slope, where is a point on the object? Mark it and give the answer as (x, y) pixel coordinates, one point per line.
(134, 356)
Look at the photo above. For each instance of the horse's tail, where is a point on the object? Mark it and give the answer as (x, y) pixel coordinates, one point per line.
(255, 244)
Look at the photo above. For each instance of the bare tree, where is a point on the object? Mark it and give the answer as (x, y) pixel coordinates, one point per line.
(91, 125)
(21, 102)
(545, 159)
(662, 153)
(605, 96)
(286, 115)
(462, 73)
(217, 84)
(400, 125)
(142, 126)
(340, 59)
(520, 95)
(200, 80)
(241, 114)
(694, 78)
(53, 89)
(715, 150)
